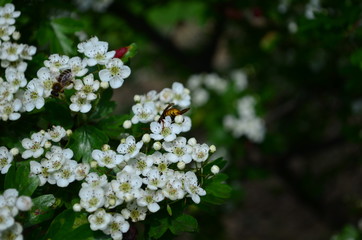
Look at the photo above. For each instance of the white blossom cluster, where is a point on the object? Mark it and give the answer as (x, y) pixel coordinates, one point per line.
(10, 204)
(142, 182)
(55, 166)
(247, 123)
(12, 56)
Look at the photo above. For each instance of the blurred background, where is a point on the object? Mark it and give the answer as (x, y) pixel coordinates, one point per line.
(276, 86)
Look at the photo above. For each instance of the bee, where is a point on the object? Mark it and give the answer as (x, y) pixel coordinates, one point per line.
(172, 112)
(63, 80)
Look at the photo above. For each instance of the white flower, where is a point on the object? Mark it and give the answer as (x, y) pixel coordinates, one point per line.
(13, 232)
(56, 133)
(93, 180)
(130, 148)
(28, 52)
(65, 175)
(178, 150)
(149, 199)
(200, 152)
(141, 163)
(91, 198)
(117, 226)
(111, 199)
(36, 169)
(78, 66)
(173, 189)
(127, 185)
(135, 212)
(6, 219)
(166, 95)
(11, 51)
(96, 51)
(143, 113)
(240, 79)
(15, 78)
(33, 146)
(80, 103)
(181, 95)
(192, 188)
(81, 171)
(5, 160)
(8, 14)
(115, 73)
(33, 96)
(154, 179)
(10, 110)
(164, 130)
(57, 63)
(107, 158)
(6, 31)
(186, 124)
(47, 79)
(99, 220)
(87, 87)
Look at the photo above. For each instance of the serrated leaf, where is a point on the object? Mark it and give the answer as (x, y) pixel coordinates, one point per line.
(105, 106)
(158, 228)
(69, 225)
(84, 140)
(57, 113)
(113, 125)
(42, 209)
(183, 223)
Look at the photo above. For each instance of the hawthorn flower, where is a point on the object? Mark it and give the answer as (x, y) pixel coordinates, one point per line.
(6, 218)
(80, 103)
(65, 175)
(127, 185)
(56, 133)
(33, 96)
(115, 73)
(173, 189)
(107, 158)
(93, 180)
(78, 66)
(28, 52)
(91, 198)
(130, 148)
(141, 163)
(111, 199)
(99, 220)
(117, 226)
(47, 79)
(164, 130)
(178, 150)
(181, 95)
(33, 146)
(87, 87)
(6, 159)
(15, 78)
(13, 232)
(6, 31)
(143, 113)
(8, 14)
(57, 62)
(11, 51)
(36, 169)
(200, 152)
(150, 199)
(135, 212)
(81, 171)
(96, 51)
(10, 110)
(192, 188)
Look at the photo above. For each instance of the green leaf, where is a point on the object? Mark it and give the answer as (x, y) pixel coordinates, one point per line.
(183, 223)
(158, 227)
(169, 210)
(84, 140)
(57, 113)
(216, 189)
(348, 232)
(113, 125)
(105, 106)
(70, 225)
(18, 178)
(42, 209)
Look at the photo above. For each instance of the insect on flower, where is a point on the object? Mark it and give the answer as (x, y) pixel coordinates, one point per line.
(172, 112)
(63, 80)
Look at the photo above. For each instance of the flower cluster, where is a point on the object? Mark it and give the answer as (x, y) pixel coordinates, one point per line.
(55, 166)
(10, 204)
(59, 72)
(247, 122)
(12, 56)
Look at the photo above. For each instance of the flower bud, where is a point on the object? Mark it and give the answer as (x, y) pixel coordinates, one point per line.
(104, 85)
(157, 146)
(16, 35)
(192, 141)
(127, 124)
(212, 148)
(106, 147)
(14, 151)
(77, 207)
(146, 138)
(47, 144)
(24, 203)
(69, 132)
(181, 165)
(137, 98)
(215, 169)
(93, 164)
